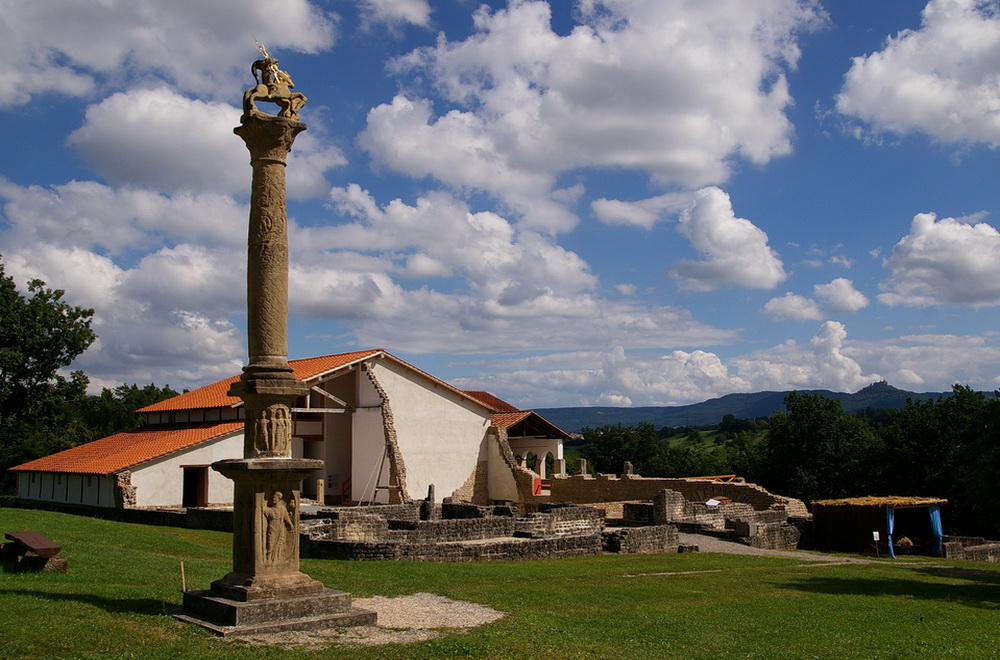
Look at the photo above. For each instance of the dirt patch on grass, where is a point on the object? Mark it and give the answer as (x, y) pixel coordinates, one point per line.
(401, 620)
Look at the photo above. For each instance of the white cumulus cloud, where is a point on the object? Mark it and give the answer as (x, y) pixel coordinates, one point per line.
(736, 251)
(841, 296)
(792, 307)
(652, 87)
(71, 47)
(940, 80)
(416, 12)
(642, 213)
(944, 262)
(829, 363)
(162, 140)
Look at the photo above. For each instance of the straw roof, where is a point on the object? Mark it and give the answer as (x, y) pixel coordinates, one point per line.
(891, 501)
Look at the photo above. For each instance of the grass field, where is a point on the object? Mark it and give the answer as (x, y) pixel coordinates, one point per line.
(123, 577)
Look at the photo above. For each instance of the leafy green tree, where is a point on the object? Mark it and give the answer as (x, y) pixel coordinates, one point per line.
(113, 410)
(981, 495)
(608, 447)
(744, 456)
(815, 451)
(949, 448)
(39, 334)
(730, 425)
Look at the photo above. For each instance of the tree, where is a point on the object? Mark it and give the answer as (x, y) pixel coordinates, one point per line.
(949, 448)
(608, 447)
(39, 335)
(815, 451)
(113, 410)
(39, 408)
(730, 425)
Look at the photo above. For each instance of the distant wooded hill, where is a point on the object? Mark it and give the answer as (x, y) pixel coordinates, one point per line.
(741, 406)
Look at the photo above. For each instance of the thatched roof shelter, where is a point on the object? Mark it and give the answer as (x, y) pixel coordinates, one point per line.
(875, 524)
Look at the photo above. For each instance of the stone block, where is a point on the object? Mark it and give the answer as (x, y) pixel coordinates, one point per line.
(223, 616)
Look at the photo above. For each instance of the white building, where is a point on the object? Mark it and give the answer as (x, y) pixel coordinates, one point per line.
(385, 430)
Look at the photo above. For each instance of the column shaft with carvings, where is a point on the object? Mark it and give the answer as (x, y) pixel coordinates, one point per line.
(266, 499)
(268, 386)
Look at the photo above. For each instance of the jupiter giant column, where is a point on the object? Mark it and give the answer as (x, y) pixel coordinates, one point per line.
(266, 590)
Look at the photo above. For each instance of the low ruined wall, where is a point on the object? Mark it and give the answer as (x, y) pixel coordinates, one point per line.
(559, 522)
(770, 536)
(468, 510)
(587, 489)
(988, 552)
(676, 509)
(447, 531)
(768, 529)
(557, 531)
(510, 549)
(405, 511)
(654, 539)
(217, 519)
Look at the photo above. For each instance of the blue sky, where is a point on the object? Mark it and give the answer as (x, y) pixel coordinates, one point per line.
(617, 202)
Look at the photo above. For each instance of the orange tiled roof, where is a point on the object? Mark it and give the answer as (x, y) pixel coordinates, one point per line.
(494, 403)
(505, 420)
(533, 422)
(124, 450)
(215, 395)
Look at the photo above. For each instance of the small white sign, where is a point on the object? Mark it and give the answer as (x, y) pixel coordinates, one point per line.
(875, 535)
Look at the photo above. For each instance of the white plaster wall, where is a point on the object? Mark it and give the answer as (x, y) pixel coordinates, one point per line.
(441, 435)
(91, 490)
(161, 482)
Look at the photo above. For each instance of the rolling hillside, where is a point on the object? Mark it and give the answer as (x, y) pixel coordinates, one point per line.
(742, 406)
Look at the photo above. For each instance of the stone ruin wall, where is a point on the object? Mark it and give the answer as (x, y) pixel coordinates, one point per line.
(466, 532)
(476, 488)
(652, 539)
(971, 548)
(608, 489)
(737, 521)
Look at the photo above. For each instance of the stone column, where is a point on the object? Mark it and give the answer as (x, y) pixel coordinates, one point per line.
(266, 499)
(268, 386)
(266, 591)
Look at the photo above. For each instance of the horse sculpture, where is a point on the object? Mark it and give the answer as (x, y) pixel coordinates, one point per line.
(274, 86)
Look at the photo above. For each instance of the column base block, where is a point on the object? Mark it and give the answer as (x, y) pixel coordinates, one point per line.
(225, 616)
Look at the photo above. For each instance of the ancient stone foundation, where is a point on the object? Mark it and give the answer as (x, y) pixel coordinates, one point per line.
(605, 489)
(466, 532)
(971, 548)
(737, 521)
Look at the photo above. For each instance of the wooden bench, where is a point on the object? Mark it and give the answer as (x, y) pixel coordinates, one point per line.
(32, 551)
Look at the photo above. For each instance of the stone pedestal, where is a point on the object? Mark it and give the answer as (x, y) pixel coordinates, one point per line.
(265, 591)
(266, 529)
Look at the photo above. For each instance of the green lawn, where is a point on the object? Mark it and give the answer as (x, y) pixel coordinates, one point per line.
(122, 577)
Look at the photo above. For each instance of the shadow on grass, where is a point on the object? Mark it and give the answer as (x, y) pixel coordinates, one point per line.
(978, 589)
(112, 605)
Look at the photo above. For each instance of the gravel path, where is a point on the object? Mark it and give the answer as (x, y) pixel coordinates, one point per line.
(401, 620)
(714, 544)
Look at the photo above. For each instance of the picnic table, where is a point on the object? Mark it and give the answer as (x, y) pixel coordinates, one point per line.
(32, 551)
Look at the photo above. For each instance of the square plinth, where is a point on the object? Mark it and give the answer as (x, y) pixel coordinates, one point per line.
(224, 616)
